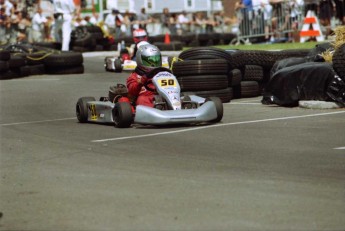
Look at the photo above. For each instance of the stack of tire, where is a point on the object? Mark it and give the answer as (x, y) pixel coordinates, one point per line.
(204, 71)
(88, 38)
(255, 66)
(21, 60)
(210, 71)
(191, 40)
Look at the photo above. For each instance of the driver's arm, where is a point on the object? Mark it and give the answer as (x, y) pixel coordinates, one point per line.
(134, 84)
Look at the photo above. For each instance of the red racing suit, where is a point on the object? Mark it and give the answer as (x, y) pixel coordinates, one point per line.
(136, 89)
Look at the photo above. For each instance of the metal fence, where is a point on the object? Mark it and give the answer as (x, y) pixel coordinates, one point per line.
(269, 22)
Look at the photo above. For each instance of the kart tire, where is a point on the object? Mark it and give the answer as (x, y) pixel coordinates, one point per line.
(122, 115)
(118, 65)
(219, 107)
(81, 108)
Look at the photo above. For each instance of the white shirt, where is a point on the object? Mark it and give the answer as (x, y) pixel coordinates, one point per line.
(110, 20)
(37, 22)
(64, 6)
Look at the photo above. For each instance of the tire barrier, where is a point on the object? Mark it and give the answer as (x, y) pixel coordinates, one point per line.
(250, 72)
(21, 60)
(205, 71)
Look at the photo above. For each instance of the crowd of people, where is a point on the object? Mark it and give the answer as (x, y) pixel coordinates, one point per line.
(275, 18)
(21, 21)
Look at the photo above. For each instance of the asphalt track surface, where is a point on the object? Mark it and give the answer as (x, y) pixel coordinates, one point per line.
(261, 168)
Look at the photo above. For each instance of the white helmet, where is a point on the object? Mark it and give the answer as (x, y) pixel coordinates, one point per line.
(148, 57)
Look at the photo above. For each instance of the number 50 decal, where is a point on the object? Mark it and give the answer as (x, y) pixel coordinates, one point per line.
(167, 82)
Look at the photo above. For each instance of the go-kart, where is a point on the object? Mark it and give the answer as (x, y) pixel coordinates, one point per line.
(125, 63)
(169, 106)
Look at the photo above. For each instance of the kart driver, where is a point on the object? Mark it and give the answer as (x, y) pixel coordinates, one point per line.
(148, 57)
(138, 36)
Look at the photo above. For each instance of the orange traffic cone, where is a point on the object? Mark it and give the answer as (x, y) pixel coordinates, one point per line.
(167, 38)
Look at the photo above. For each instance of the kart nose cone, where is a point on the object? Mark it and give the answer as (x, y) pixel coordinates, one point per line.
(148, 115)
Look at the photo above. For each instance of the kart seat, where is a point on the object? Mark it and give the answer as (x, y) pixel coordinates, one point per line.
(115, 92)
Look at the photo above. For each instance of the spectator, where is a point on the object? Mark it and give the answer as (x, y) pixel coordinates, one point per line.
(48, 29)
(109, 22)
(172, 24)
(79, 21)
(326, 13)
(38, 23)
(310, 5)
(266, 9)
(210, 23)
(4, 25)
(63, 14)
(296, 7)
(8, 6)
(15, 18)
(143, 19)
(340, 10)
(199, 23)
(127, 23)
(24, 28)
(240, 16)
(94, 19)
(118, 24)
(184, 22)
(165, 21)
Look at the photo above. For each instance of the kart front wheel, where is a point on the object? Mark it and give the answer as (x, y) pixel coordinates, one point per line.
(122, 115)
(118, 65)
(219, 107)
(81, 108)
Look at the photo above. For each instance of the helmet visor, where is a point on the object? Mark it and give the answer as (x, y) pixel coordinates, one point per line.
(152, 61)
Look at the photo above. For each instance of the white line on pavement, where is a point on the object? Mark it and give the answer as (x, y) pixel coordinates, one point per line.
(215, 125)
(340, 148)
(35, 122)
(245, 103)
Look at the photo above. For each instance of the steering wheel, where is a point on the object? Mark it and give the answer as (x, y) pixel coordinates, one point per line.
(155, 71)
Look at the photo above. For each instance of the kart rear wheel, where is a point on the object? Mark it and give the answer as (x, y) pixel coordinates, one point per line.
(81, 108)
(122, 115)
(118, 65)
(219, 107)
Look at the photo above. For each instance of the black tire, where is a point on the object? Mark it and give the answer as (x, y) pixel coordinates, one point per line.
(35, 58)
(339, 61)
(64, 59)
(200, 67)
(247, 89)
(38, 69)
(16, 61)
(235, 77)
(118, 65)
(9, 75)
(5, 55)
(203, 82)
(173, 46)
(219, 107)
(4, 66)
(205, 53)
(122, 115)
(82, 110)
(65, 70)
(253, 73)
